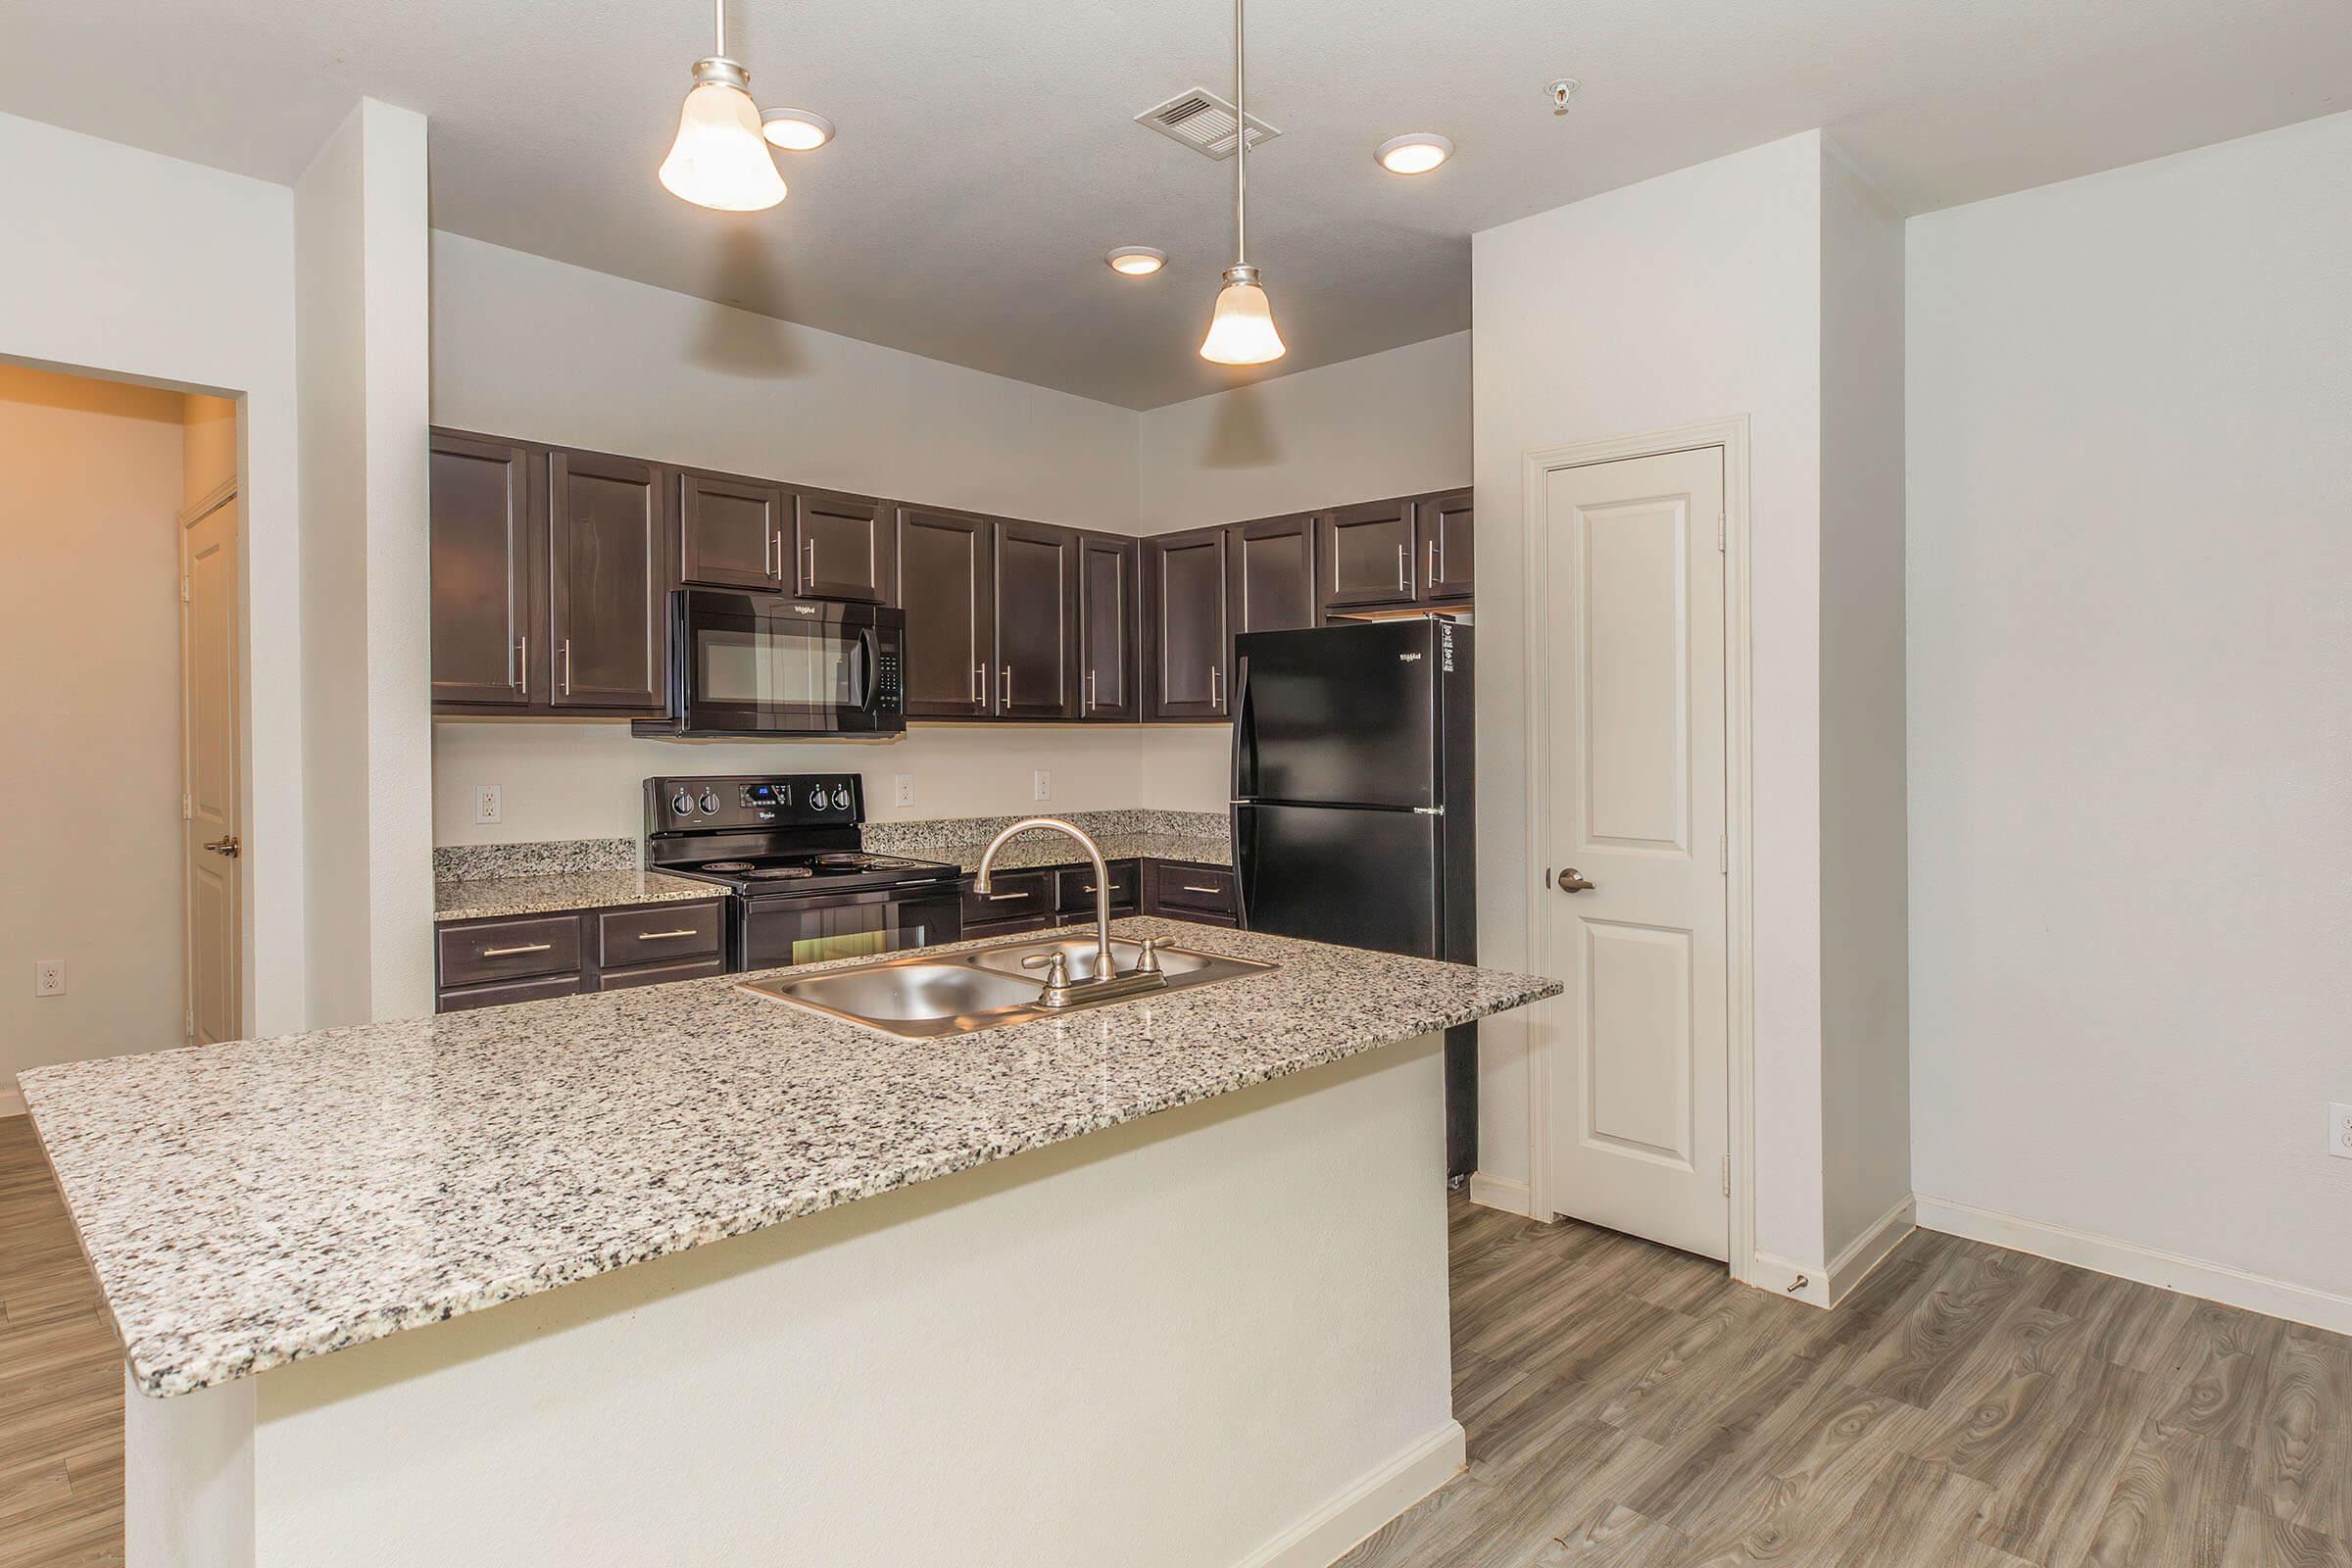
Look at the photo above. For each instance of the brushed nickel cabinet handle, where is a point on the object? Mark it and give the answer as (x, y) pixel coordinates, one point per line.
(979, 677)
(1403, 570)
(1004, 690)
(1216, 684)
(808, 555)
(1433, 561)
(523, 667)
(567, 667)
(664, 936)
(509, 952)
(999, 898)
(1188, 887)
(1090, 691)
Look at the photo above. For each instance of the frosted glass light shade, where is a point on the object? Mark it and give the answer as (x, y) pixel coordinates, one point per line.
(720, 159)
(1241, 332)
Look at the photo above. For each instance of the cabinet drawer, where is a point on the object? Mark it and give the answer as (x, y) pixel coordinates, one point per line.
(498, 995)
(1187, 889)
(670, 933)
(1074, 888)
(989, 930)
(509, 949)
(654, 974)
(1012, 896)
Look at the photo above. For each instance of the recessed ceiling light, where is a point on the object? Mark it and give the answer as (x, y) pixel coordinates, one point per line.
(1136, 261)
(796, 130)
(1416, 154)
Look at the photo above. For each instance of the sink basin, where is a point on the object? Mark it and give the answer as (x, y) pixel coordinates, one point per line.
(926, 996)
(1080, 952)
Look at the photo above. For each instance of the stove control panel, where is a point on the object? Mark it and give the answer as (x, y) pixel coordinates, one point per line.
(751, 801)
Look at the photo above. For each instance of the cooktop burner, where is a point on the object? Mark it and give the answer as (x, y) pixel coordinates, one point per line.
(773, 874)
(728, 866)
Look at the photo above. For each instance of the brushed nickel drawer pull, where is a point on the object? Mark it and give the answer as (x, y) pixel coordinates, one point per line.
(999, 898)
(509, 952)
(1187, 887)
(661, 935)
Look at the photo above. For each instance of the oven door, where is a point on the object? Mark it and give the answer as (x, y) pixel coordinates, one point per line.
(763, 664)
(777, 933)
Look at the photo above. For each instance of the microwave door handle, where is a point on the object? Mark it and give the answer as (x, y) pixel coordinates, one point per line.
(870, 647)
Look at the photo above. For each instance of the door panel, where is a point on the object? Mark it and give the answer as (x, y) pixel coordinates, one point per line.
(485, 507)
(1037, 620)
(1368, 555)
(844, 548)
(1340, 715)
(1108, 573)
(609, 584)
(1187, 599)
(1358, 877)
(944, 586)
(1273, 568)
(1631, 685)
(211, 756)
(729, 531)
(1445, 526)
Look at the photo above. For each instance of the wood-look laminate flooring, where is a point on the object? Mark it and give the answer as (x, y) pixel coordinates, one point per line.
(1966, 1407)
(1628, 1407)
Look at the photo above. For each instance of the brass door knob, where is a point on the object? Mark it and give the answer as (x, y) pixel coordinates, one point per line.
(1572, 881)
(228, 847)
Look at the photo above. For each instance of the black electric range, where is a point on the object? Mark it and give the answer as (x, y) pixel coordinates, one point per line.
(788, 850)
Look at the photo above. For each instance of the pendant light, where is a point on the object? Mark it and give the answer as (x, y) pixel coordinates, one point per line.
(720, 158)
(1241, 330)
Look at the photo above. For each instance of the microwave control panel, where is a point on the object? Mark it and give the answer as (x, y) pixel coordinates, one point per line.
(739, 800)
(890, 693)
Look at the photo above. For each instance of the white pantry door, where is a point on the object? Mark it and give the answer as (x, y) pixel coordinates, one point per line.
(1635, 907)
(210, 752)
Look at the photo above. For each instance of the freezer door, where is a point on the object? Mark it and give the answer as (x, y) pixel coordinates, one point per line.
(1352, 876)
(1343, 714)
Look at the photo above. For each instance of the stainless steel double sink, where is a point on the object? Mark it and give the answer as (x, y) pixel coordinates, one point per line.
(924, 995)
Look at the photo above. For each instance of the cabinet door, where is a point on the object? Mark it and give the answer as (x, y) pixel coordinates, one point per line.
(843, 547)
(1110, 572)
(944, 568)
(1186, 602)
(487, 512)
(1036, 622)
(1368, 555)
(609, 580)
(1273, 571)
(730, 531)
(1444, 525)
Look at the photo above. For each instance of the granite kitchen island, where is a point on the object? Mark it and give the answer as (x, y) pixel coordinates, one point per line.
(1157, 1281)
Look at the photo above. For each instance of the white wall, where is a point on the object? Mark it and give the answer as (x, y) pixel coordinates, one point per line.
(89, 630)
(1387, 425)
(1865, 948)
(362, 317)
(149, 269)
(2131, 756)
(1691, 297)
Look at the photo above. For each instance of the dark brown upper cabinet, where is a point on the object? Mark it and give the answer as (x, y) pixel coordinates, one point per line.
(844, 546)
(1036, 622)
(1272, 566)
(730, 531)
(945, 565)
(488, 503)
(1368, 555)
(1187, 601)
(1109, 622)
(1444, 525)
(609, 578)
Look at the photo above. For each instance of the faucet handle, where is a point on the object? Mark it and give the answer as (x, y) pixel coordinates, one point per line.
(1147, 960)
(1057, 965)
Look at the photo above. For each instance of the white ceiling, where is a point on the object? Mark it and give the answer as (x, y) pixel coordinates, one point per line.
(987, 158)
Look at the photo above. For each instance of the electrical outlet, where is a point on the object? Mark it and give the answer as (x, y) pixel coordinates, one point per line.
(487, 805)
(902, 788)
(2339, 1131)
(1044, 785)
(48, 977)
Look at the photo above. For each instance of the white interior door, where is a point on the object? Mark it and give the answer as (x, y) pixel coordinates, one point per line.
(1633, 918)
(212, 841)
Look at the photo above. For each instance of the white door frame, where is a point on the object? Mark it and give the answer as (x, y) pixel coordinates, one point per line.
(1730, 435)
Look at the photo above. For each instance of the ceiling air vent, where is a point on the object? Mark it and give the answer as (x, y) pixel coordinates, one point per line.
(1204, 122)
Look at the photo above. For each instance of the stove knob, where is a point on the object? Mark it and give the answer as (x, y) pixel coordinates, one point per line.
(817, 798)
(841, 796)
(681, 803)
(710, 803)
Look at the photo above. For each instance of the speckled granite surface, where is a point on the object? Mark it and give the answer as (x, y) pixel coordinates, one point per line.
(483, 898)
(1200, 837)
(249, 1203)
(452, 863)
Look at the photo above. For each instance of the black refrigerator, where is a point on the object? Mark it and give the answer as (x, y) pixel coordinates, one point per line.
(1352, 812)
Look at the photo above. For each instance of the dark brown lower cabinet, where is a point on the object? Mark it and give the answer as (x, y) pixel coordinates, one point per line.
(1186, 610)
(1181, 889)
(486, 964)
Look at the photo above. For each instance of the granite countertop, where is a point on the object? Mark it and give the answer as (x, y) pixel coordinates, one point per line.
(1053, 849)
(250, 1204)
(487, 897)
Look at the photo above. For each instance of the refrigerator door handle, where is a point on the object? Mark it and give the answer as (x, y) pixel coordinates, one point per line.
(1244, 731)
(1428, 811)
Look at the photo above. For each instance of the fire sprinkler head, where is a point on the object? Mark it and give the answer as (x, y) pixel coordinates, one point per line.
(1561, 92)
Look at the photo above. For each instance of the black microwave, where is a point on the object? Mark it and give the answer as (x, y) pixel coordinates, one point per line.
(755, 665)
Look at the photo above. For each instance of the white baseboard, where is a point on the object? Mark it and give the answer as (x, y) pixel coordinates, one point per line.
(1498, 1192)
(1867, 1249)
(12, 1103)
(1366, 1504)
(2149, 1265)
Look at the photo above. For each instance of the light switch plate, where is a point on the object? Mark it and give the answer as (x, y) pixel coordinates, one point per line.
(48, 977)
(2339, 1131)
(1044, 785)
(902, 788)
(487, 805)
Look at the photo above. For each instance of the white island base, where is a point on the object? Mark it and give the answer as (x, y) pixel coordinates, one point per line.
(1212, 1336)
